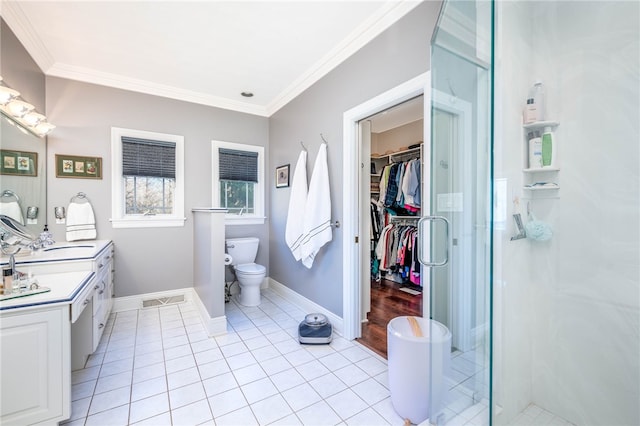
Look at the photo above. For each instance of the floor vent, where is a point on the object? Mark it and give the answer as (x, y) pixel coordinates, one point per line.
(162, 301)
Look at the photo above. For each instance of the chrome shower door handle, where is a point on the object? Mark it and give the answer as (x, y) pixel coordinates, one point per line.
(422, 223)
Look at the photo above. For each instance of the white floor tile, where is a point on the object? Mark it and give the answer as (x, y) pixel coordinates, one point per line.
(258, 390)
(142, 390)
(85, 375)
(265, 353)
(346, 403)
(248, 374)
(210, 355)
(241, 360)
(177, 352)
(192, 414)
(112, 382)
(314, 369)
(275, 365)
(150, 358)
(233, 349)
(109, 400)
(354, 354)
(243, 416)
(83, 390)
(386, 410)
(149, 407)
(299, 357)
(270, 409)
(147, 372)
(371, 391)
(227, 402)
(182, 378)
(257, 342)
(163, 419)
(180, 364)
(80, 408)
(203, 345)
(214, 368)
(287, 379)
(186, 395)
(116, 367)
(318, 414)
(175, 341)
(290, 420)
(368, 417)
(219, 384)
(114, 417)
(351, 375)
(301, 396)
(327, 385)
(372, 366)
(335, 361)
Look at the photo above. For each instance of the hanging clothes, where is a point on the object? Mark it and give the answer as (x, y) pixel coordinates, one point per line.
(396, 252)
(400, 186)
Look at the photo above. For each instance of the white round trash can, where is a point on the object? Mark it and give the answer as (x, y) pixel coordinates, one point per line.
(417, 366)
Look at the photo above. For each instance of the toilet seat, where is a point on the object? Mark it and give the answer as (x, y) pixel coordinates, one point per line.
(250, 269)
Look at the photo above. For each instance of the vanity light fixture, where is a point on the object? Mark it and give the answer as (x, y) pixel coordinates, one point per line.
(21, 112)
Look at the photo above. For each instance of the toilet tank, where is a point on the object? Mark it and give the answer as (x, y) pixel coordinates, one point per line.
(242, 250)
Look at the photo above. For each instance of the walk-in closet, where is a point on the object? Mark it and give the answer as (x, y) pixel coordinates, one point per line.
(395, 189)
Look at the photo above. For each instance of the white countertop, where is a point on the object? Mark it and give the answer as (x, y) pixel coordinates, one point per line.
(65, 286)
(60, 251)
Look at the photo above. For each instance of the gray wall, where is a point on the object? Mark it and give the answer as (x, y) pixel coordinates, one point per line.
(397, 55)
(156, 259)
(19, 70)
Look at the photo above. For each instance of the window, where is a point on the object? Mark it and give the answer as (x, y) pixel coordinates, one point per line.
(147, 179)
(238, 181)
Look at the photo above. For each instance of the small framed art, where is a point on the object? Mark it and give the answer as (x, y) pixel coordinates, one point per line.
(282, 176)
(18, 163)
(71, 166)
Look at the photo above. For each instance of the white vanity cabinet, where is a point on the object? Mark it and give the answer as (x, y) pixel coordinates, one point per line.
(44, 337)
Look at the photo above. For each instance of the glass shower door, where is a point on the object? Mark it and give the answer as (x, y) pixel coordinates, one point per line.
(458, 229)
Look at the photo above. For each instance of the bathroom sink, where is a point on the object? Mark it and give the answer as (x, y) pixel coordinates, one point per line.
(84, 246)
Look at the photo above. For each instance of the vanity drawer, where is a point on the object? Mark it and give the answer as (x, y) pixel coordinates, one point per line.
(81, 302)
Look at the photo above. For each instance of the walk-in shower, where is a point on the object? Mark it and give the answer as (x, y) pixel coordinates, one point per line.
(548, 332)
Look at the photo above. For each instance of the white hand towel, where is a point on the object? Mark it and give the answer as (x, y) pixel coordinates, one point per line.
(295, 217)
(81, 222)
(13, 210)
(317, 213)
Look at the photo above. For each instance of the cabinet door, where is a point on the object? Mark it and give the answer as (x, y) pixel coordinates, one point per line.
(35, 363)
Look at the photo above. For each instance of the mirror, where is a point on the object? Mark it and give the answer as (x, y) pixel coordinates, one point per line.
(23, 180)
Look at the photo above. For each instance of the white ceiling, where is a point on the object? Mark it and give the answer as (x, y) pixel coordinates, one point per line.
(206, 52)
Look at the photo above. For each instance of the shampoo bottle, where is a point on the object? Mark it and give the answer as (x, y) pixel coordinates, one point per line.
(535, 153)
(534, 110)
(547, 147)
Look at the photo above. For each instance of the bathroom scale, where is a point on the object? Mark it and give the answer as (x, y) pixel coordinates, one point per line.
(315, 330)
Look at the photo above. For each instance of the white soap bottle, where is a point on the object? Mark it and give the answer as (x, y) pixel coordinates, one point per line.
(535, 153)
(535, 108)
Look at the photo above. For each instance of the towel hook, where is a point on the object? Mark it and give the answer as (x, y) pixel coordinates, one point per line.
(323, 139)
(303, 147)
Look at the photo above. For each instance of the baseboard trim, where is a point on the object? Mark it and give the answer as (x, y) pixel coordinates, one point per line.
(307, 305)
(214, 326)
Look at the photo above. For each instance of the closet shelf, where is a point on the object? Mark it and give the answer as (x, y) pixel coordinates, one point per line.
(393, 154)
(539, 124)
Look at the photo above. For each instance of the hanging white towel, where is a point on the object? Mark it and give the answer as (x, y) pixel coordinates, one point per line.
(13, 210)
(81, 222)
(317, 213)
(295, 217)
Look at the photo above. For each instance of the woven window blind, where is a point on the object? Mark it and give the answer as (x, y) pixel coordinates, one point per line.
(149, 158)
(238, 165)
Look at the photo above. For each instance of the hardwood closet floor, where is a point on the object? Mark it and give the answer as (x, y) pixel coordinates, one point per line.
(387, 302)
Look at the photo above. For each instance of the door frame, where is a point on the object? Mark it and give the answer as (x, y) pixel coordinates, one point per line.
(352, 172)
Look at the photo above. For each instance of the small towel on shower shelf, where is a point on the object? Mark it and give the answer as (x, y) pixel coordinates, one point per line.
(294, 231)
(81, 222)
(13, 210)
(317, 212)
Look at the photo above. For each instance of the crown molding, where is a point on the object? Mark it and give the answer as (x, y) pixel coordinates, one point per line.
(386, 16)
(142, 86)
(23, 29)
(363, 34)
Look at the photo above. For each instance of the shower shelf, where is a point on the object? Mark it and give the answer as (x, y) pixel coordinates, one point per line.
(543, 174)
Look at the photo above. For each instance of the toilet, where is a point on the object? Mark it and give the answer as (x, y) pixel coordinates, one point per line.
(250, 275)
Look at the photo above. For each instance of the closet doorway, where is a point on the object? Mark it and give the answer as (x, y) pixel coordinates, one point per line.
(392, 140)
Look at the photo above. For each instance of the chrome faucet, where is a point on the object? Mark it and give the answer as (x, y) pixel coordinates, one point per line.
(44, 239)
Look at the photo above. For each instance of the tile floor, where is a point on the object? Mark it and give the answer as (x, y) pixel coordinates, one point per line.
(157, 366)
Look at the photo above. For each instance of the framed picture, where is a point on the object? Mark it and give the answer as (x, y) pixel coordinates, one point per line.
(71, 166)
(18, 163)
(282, 176)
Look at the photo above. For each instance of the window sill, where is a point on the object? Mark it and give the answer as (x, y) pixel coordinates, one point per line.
(147, 222)
(244, 220)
